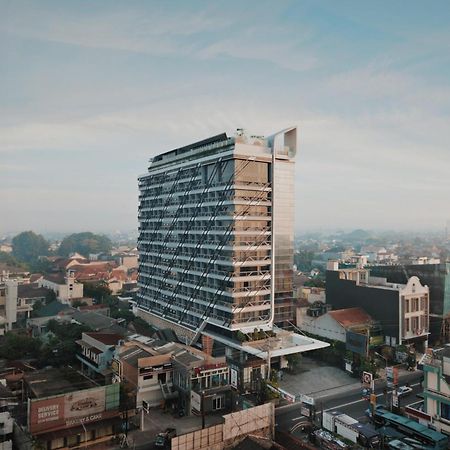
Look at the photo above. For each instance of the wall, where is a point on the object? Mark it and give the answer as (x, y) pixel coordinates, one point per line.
(258, 420)
(435, 276)
(381, 304)
(324, 326)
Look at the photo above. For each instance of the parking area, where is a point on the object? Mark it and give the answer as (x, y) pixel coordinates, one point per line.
(317, 379)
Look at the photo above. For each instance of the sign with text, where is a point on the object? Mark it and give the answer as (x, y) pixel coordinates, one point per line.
(68, 410)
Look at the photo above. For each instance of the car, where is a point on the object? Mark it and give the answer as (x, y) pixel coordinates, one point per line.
(403, 391)
(163, 439)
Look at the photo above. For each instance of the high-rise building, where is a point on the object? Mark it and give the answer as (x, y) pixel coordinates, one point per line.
(216, 226)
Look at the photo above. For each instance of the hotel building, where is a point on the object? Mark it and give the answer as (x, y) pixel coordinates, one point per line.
(216, 226)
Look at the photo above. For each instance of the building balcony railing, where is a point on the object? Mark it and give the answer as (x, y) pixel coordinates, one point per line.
(88, 361)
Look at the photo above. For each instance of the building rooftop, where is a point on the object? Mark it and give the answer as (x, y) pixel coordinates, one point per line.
(57, 278)
(53, 309)
(186, 358)
(98, 322)
(350, 316)
(31, 290)
(284, 343)
(54, 381)
(178, 151)
(105, 338)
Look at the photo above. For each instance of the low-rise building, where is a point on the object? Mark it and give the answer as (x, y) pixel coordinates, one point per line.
(65, 286)
(202, 381)
(401, 309)
(436, 392)
(345, 325)
(6, 430)
(96, 353)
(66, 410)
(147, 372)
(8, 304)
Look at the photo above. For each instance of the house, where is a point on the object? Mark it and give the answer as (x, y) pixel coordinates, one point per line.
(353, 326)
(28, 295)
(53, 311)
(65, 286)
(99, 322)
(147, 371)
(96, 353)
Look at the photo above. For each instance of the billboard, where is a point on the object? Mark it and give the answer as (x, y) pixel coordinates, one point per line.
(356, 342)
(74, 408)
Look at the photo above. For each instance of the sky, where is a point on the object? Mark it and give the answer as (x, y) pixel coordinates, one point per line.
(90, 90)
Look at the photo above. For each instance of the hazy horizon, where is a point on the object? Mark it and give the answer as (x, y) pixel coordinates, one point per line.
(90, 94)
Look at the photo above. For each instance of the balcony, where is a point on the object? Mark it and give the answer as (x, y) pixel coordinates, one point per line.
(89, 362)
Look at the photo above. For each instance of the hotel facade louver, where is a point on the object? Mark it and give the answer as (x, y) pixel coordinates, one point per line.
(216, 226)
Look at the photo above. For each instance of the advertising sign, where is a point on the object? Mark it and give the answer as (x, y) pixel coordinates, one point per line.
(70, 409)
(395, 399)
(390, 376)
(395, 376)
(356, 342)
(367, 378)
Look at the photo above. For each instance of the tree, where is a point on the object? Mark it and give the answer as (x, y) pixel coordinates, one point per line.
(11, 261)
(17, 346)
(28, 246)
(99, 291)
(315, 282)
(85, 243)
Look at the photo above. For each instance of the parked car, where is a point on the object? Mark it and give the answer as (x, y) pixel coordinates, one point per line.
(403, 391)
(163, 439)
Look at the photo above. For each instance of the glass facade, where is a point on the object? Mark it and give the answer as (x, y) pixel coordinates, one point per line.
(205, 235)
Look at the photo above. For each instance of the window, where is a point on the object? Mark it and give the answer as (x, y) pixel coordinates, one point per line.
(407, 325)
(407, 306)
(217, 402)
(445, 411)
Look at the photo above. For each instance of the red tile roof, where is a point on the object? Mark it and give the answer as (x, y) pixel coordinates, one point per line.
(351, 316)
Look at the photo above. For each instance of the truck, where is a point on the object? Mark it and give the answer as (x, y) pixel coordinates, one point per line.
(349, 428)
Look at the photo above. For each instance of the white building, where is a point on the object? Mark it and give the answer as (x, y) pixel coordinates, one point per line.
(6, 430)
(64, 286)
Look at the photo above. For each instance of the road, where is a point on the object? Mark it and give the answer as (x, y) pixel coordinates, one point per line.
(289, 418)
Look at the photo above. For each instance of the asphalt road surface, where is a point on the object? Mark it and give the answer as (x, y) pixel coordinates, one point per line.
(289, 418)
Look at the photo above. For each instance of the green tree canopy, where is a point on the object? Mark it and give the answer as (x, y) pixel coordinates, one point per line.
(11, 261)
(17, 346)
(27, 246)
(85, 243)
